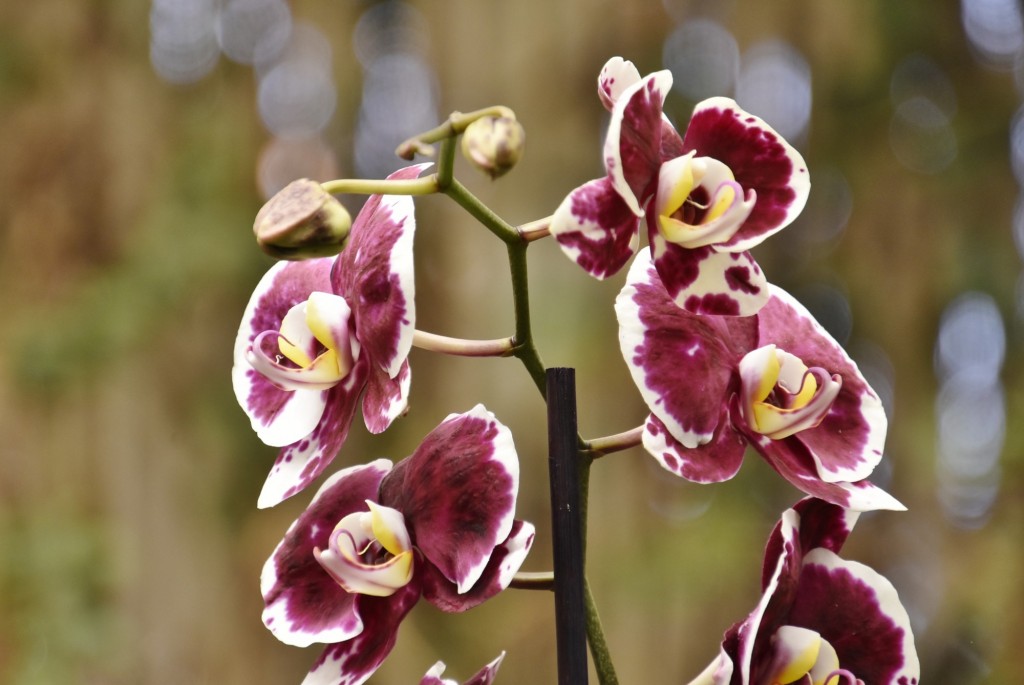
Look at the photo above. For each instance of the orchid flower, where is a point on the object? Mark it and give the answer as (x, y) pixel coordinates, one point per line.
(822, 619)
(708, 196)
(316, 333)
(439, 525)
(485, 676)
(777, 381)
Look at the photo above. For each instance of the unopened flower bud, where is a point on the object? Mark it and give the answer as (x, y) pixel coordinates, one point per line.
(302, 221)
(494, 144)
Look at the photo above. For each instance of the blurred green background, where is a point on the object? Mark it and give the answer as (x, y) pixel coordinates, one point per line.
(138, 140)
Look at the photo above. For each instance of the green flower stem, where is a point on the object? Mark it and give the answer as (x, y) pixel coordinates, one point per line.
(595, 637)
(525, 350)
(500, 347)
(598, 447)
(542, 580)
(482, 213)
(360, 186)
(420, 144)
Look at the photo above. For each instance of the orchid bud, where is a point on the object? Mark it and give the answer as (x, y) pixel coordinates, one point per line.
(494, 144)
(302, 221)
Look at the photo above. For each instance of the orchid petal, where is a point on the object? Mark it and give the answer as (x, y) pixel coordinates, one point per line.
(847, 445)
(486, 675)
(632, 146)
(704, 281)
(502, 566)
(596, 229)
(279, 417)
(716, 461)
(616, 76)
(458, 493)
(300, 463)
(433, 676)
(682, 363)
(386, 398)
(761, 160)
(859, 613)
(374, 273)
(353, 661)
(304, 604)
(791, 459)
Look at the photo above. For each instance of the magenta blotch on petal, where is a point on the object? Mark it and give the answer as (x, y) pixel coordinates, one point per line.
(761, 161)
(596, 229)
(458, 493)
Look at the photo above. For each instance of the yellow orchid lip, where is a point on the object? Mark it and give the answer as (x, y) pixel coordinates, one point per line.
(369, 553)
(695, 219)
(314, 337)
(781, 395)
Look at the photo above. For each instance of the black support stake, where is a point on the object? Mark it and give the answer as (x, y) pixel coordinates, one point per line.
(567, 543)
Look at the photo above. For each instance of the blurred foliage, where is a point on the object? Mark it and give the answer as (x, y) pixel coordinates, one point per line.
(130, 546)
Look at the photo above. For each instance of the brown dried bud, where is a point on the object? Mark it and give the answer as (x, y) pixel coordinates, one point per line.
(302, 221)
(494, 144)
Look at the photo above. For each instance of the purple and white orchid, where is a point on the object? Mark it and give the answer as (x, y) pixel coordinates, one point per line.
(316, 333)
(822, 619)
(485, 676)
(439, 525)
(777, 381)
(708, 197)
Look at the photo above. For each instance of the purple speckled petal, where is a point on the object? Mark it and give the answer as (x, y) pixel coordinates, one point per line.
(596, 229)
(353, 661)
(859, 613)
(502, 565)
(299, 464)
(817, 523)
(485, 676)
(303, 604)
(616, 76)
(704, 281)
(386, 398)
(374, 273)
(713, 462)
(847, 445)
(458, 493)
(278, 416)
(791, 460)
(761, 161)
(683, 364)
(632, 147)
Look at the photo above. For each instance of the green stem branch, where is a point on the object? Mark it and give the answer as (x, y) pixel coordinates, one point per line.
(595, 638)
(425, 185)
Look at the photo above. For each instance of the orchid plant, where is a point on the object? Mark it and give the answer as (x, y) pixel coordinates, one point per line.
(722, 358)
